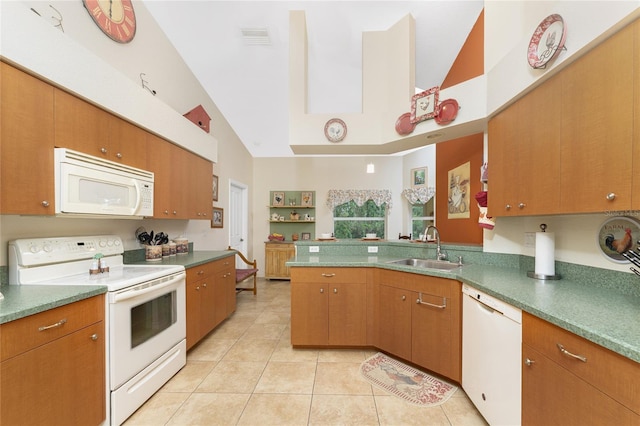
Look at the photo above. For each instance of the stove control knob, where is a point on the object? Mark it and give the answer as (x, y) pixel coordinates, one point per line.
(102, 243)
(110, 243)
(34, 249)
(116, 242)
(47, 248)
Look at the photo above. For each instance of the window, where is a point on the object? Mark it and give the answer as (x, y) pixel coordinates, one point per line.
(351, 221)
(422, 215)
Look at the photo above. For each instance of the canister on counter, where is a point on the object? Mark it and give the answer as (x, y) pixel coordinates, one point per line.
(182, 245)
(166, 250)
(172, 248)
(153, 253)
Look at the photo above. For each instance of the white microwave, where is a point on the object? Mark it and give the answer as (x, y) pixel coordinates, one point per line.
(88, 186)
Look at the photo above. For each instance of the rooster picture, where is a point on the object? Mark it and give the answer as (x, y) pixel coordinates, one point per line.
(620, 245)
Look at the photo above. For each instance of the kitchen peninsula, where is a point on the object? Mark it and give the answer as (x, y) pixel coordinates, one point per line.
(579, 355)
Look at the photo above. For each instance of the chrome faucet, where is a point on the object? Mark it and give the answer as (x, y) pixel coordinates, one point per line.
(439, 254)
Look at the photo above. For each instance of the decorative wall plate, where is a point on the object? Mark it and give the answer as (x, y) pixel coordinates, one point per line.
(547, 41)
(447, 111)
(335, 130)
(616, 236)
(404, 126)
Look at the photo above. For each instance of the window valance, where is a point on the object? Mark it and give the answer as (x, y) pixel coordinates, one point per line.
(335, 197)
(420, 195)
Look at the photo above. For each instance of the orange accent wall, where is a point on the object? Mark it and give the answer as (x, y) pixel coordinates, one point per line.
(449, 155)
(470, 60)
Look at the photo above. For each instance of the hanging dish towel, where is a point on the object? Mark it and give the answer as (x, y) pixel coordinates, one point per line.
(484, 221)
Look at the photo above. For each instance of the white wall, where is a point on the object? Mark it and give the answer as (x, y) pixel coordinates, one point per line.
(321, 174)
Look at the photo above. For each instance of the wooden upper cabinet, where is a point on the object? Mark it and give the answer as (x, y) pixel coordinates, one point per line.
(539, 151)
(84, 127)
(26, 144)
(128, 143)
(524, 152)
(201, 171)
(182, 181)
(597, 127)
(79, 125)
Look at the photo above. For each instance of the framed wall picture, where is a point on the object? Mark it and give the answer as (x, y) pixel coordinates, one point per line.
(424, 105)
(278, 199)
(215, 188)
(217, 219)
(306, 235)
(419, 177)
(307, 199)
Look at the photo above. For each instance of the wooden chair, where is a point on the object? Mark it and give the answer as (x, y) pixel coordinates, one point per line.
(243, 274)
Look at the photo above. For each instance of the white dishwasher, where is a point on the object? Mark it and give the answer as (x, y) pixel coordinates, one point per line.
(491, 356)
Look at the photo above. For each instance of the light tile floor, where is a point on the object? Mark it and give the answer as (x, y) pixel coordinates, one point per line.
(246, 373)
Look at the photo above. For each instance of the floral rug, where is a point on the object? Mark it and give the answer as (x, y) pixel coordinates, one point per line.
(412, 385)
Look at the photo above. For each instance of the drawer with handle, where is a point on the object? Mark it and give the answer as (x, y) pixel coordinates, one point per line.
(321, 274)
(613, 374)
(35, 330)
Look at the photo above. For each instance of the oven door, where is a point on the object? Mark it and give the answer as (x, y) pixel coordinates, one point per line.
(145, 321)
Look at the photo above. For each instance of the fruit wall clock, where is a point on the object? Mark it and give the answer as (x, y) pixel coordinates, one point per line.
(115, 18)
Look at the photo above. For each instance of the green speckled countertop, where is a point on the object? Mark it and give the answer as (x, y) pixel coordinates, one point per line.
(21, 301)
(191, 259)
(600, 305)
(24, 300)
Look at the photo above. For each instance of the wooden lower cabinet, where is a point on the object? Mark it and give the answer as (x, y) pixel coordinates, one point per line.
(360, 307)
(393, 315)
(276, 256)
(560, 389)
(419, 318)
(211, 297)
(328, 307)
(57, 375)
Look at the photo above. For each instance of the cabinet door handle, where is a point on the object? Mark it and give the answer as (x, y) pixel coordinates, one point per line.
(611, 196)
(58, 324)
(521, 205)
(569, 354)
(507, 207)
(45, 203)
(420, 302)
(404, 297)
(94, 337)
(329, 275)
(103, 150)
(528, 362)
(119, 155)
(322, 290)
(335, 291)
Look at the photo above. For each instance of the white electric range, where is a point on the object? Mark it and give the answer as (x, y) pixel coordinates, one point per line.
(145, 312)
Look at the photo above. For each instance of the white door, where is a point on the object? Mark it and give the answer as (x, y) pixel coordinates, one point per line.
(238, 217)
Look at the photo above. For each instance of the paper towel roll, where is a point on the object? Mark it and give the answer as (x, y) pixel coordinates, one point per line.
(545, 253)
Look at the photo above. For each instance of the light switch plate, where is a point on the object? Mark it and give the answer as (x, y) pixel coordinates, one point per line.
(372, 249)
(314, 249)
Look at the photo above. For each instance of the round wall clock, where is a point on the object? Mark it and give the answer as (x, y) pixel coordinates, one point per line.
(335, 130)
(115, 18)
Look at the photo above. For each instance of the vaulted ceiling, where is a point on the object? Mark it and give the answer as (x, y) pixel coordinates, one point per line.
(249, 82)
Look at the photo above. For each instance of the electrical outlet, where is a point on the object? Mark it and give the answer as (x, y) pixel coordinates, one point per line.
(530, 239)
(314, 249)
(372, 249)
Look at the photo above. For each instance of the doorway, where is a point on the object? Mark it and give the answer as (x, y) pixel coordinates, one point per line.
(238, 216)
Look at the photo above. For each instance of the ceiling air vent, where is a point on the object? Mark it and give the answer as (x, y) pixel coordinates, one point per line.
(255, 36)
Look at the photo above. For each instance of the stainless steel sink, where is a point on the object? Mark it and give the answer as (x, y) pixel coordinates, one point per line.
(444, 265)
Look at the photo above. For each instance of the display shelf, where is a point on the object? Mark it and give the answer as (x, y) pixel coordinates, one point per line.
(282, 204)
